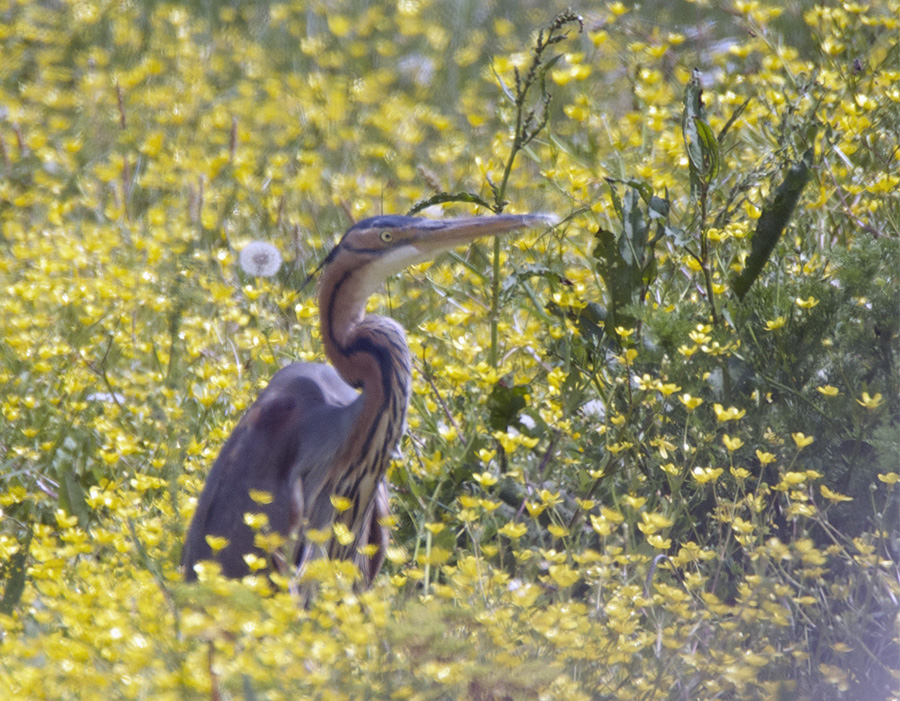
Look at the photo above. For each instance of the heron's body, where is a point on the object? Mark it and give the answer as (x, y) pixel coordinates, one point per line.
(317, 432)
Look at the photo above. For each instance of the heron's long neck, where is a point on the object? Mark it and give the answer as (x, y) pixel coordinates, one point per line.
(370, 353)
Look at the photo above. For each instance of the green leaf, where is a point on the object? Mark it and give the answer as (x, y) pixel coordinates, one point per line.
(772, 222)
(709, 148)
(634, 238)
(13, 571)
(692, 112)
(504, 404)
(732, 119)
(699, 139)
(503, 86)
(71, 498)
(626, 260)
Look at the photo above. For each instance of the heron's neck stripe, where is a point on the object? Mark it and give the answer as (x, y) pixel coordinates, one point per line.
(384, 360)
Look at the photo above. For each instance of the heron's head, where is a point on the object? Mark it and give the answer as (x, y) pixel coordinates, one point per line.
(379, 247)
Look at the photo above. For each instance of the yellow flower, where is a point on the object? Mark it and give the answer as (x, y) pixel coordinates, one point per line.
(732, 444)
(341, 504)
(806, 303)
(633, 501)
(448, 433)
(564, 575)
(615, 448)
(268, 542)
(700, 336)
(525, 595)
(690, 402)
(534, 508)
(550, 498)
(802, 440)
(343, 534)
(729, 414)
(776, 323)
(437, 556)
(64, 521)
(739, 525)
(255, 562)
(601, 525)
(833, 496)
(558, 531)
(513, 531)
(486, 455)
(397, 555)
(870, 402)
(889, 478)
(828, 391)
(369, 550)
(706, 474)
(657, 541)
(216, 543)
(319, 536)
(615, 516)
(256, 520)
(485, 479)
(765, 458)
(651, 523)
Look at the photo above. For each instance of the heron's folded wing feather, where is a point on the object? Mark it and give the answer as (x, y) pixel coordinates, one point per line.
(294, 428)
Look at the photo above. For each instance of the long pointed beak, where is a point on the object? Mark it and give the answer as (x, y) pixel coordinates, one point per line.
(432, 236)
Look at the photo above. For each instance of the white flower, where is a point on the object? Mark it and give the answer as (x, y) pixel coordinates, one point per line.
(594, 409)
(260, 259)
(106, 397)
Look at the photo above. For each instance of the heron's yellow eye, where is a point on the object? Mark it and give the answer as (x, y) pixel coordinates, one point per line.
(387, 236)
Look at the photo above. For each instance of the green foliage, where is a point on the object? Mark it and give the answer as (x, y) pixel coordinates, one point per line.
(625, 260)
(652, 449)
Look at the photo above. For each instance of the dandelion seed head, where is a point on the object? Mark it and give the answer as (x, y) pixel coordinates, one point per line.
(260, 259)
(418, 68)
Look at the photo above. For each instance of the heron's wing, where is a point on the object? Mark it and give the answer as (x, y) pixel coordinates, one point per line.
(295, 428)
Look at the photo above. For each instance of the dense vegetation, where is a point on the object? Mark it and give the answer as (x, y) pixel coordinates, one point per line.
(653, 450)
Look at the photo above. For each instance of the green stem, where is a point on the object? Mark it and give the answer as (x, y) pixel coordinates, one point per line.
(495, 305)
(499, 204)
(704, 256)
(528, 126)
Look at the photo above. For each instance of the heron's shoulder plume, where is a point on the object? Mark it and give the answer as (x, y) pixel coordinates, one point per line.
(325, 261)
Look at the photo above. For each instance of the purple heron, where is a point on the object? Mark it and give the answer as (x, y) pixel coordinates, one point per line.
(320, 431)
